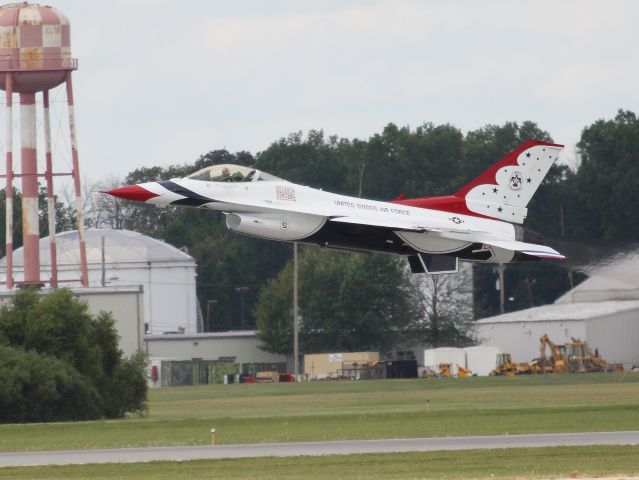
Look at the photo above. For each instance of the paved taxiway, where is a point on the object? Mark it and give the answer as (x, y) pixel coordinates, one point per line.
(117, 455)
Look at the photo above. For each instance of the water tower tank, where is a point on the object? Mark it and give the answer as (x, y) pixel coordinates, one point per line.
(35, 45)
(35, 56)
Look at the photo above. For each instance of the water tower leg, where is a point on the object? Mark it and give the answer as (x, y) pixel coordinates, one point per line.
(76, 183)
(9, 186)
(30, 220)
(50, 197)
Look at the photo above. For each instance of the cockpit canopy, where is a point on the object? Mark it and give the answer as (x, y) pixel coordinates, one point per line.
(232, 173)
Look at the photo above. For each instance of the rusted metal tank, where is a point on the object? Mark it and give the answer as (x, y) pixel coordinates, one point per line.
(35, 45)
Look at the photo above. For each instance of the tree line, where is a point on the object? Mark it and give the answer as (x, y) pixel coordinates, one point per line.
(581, 211)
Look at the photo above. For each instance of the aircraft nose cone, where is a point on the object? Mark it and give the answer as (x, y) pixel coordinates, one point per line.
(132, 192)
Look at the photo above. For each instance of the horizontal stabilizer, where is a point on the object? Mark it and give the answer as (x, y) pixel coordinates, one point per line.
(540, 251)
(532, 249)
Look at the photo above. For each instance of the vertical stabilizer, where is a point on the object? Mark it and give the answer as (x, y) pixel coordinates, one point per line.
(504, 190)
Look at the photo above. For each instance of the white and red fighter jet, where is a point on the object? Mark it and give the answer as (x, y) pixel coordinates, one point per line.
(475, 224)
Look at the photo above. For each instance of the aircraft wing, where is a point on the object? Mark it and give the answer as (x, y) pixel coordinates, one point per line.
(391, 224)
(540, 251)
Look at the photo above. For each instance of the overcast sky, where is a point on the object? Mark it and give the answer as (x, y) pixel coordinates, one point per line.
(161, 82)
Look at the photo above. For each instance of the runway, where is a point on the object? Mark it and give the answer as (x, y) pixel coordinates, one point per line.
(128, 455)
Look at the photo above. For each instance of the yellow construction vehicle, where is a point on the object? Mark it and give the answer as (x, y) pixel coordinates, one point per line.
(575, 356)
(505, 366)
(556, 363)
(463, 372)
(583, 359)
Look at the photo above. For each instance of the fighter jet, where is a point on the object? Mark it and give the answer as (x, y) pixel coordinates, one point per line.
(478, 223)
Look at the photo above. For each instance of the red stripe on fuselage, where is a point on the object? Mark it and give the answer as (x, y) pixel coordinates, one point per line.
(446, 203)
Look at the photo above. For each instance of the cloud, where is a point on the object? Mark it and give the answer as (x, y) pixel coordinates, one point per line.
(159, 83)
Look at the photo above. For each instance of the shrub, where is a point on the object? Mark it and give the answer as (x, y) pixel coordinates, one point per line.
(36, 387)
(63, 363)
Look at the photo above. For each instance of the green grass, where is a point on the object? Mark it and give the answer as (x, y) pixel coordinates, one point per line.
(514, 463)
(354, 410)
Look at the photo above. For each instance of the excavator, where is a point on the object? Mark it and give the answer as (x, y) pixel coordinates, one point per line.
(583, 359)
(575, 356)
(556, 363)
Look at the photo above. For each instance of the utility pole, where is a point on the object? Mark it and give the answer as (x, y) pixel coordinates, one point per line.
(209, 327)
(296, 344)
(241, 289)
(500, 270)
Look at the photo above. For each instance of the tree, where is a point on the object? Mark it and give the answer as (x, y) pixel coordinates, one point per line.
(104, 211)
(35, 387)
(312, 161)
(605, 193)
(448, 309)
(416, 163)
(88, 371)
(348, 302)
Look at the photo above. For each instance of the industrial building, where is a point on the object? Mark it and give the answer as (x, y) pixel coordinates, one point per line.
(603, 310)
(119, 258)
(196, 359)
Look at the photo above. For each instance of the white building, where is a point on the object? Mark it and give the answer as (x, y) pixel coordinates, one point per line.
(206, 350)
(124, 259)
(603, 310)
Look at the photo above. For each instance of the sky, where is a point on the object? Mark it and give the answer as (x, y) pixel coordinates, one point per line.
(161, 82)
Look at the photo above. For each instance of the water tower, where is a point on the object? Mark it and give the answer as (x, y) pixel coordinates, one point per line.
(35, 56)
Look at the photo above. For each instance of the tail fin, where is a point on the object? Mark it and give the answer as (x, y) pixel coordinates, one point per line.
(504, 190)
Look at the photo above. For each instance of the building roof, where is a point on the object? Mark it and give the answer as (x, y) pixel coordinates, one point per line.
(120, 246)
(201, 336)
(614, 279)
(564, 312)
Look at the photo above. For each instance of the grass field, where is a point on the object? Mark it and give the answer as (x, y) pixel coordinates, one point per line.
(354, 410)
(490, 464)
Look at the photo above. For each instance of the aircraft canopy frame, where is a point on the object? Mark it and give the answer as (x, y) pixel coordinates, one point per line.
(228, 172)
